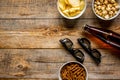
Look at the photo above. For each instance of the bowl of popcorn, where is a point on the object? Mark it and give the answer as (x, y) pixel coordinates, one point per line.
(73, 70)
(71, 9)
(106, 9)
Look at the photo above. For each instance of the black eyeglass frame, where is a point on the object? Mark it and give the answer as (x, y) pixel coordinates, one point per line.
(94, 53)
(76, 53)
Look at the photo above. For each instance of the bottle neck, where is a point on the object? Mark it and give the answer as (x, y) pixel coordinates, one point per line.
(105, 35)
(94, 30)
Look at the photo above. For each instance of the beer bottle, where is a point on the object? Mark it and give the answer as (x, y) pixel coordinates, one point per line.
(107, 36)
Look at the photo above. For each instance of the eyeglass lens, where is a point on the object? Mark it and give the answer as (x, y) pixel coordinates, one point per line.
(94, 53)
(67, 43)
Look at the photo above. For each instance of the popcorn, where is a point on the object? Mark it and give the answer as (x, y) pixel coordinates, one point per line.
(106, 8)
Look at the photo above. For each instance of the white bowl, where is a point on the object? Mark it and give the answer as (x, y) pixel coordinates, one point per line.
(59, 74)
(102, 17)
(74, 17)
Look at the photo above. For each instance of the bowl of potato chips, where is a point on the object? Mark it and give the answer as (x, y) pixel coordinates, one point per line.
(71, 9)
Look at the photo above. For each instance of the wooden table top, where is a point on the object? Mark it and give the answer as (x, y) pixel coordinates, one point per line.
(29, 41)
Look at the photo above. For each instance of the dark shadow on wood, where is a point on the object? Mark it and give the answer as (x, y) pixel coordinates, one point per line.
(105, 24)
(70, 23)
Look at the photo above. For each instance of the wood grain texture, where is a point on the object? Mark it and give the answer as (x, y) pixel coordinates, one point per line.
(46, 33)
(29, 41)
(44, 66)
(36, 9)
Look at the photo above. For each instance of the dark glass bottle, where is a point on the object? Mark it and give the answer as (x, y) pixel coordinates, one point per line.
(107, 36)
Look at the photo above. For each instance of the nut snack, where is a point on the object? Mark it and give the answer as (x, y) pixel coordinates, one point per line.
(73, 71)
(71, 8)
(106, 8)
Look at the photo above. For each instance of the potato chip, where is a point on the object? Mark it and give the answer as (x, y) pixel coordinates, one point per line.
(72, 10)
(66, 12)
(66, 1)
(74, 14)
(74, 3)
(82, 4)
(71, 7)
(62, 4)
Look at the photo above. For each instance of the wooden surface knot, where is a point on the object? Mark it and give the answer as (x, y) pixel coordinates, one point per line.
(15, 65)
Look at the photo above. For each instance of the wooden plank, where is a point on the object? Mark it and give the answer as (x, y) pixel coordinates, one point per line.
(37, 24)
(44, 64)
(25, 79)
(51, 79)
(32, 9)
(35, 9)
(44, 32)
